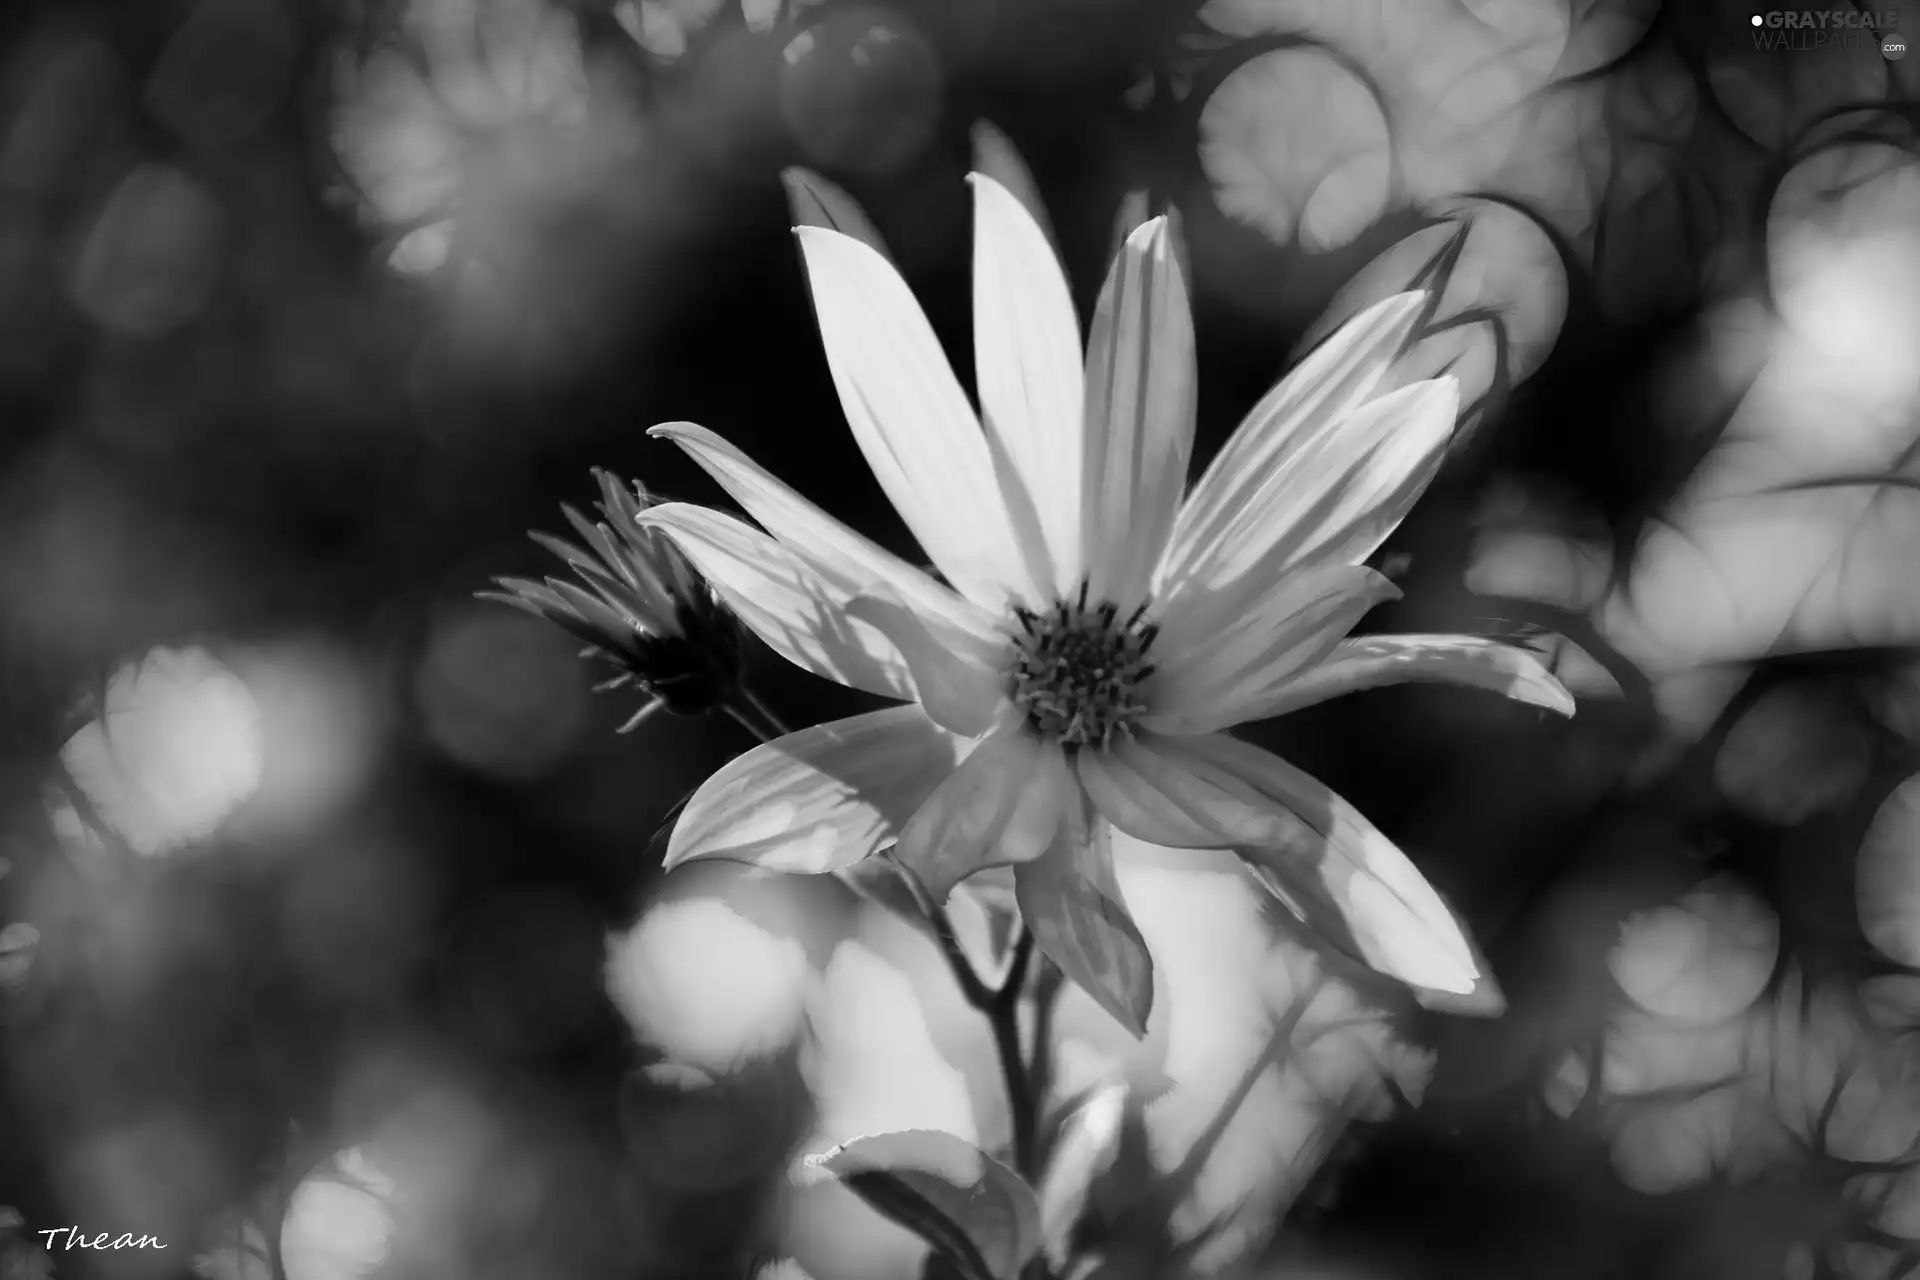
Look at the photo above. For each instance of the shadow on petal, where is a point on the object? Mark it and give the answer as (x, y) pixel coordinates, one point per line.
(820, 799)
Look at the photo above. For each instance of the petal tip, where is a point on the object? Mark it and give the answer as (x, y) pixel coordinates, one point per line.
(1154, 235)
(1550, 695)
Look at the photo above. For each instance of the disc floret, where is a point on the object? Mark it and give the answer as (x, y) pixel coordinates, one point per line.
(1079, 669)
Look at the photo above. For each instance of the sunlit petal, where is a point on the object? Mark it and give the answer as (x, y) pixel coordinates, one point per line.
(1277, 449)
(1027, 354)
(1210, 679)
(912, 420)
(801, 615)
(1139, 415)
(1002, 805)
(958, 678)
(1341, 871)
(1367, 662)
(1154, 790)
(820, 799)
(1363, 480)
(839, 554)
(1371, 473)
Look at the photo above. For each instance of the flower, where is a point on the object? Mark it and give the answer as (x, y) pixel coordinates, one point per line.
(1100, 633)
(646, 612)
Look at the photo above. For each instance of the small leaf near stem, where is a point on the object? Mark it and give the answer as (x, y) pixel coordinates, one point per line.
(977, 1213)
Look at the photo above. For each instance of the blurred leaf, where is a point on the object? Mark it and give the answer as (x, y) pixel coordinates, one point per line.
(236, 1250)
(1497, 299)
(1799, 750)
(967, 1205)
(1087, 1143)
(1295, 143)
(1796, 531)
(18, 942)
(1887, 877)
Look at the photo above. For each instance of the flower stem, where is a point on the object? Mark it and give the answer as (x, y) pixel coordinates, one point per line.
(1003, 1014)
(1001, 1005)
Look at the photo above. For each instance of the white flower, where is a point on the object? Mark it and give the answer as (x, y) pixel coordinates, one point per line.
(1100, 632)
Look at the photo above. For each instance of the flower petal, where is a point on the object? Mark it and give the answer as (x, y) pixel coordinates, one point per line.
(1026, 345)
(1367, 662)
(1277, 448)
(1210, 678)
(1150, 788)
(1071, 901)
(995, 156)
(959, 679)
(1001, 805)
(839, 554)
(1361, 482)
(1139, 417)
(1339, 868)
(815, 202)
(912, 420)
(1375, 469)
(800, 615)
(818, 800)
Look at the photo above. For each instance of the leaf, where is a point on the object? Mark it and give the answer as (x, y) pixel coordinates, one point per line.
(1796, 531)
(1088, 1141)
(967, 1205)
(1295, 143)
(1887, 878)
(1071, 901)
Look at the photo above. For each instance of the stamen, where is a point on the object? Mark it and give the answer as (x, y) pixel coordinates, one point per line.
(1078, 671)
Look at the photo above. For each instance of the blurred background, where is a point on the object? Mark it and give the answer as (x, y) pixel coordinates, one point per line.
(333, 941)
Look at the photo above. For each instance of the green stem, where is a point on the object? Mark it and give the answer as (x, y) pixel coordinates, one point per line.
(1001, 1006)
(1003, 1015)
(1002, 1009)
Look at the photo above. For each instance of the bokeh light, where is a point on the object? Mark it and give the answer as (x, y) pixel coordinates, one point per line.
(498, 691)
(176, 747)
(710, 983)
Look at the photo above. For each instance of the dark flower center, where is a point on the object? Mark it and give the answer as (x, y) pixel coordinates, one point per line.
(1078, 670)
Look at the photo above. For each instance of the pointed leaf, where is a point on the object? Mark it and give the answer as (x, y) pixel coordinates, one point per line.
(1087, 1144)
(1071, 901)
(971, 1208)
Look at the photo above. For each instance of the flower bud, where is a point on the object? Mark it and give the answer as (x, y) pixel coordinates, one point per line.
(643, 610)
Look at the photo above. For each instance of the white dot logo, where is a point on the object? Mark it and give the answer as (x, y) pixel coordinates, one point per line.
(1758, 20)
(1893, 48)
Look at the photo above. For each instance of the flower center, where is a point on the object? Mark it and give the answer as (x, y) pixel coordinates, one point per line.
(1078, 668)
